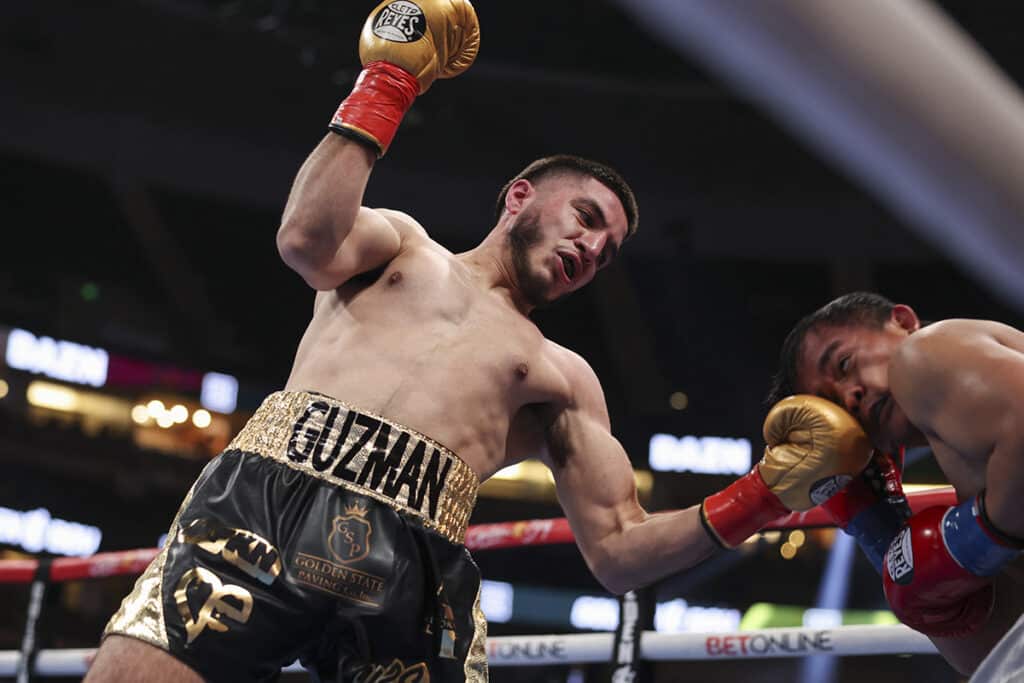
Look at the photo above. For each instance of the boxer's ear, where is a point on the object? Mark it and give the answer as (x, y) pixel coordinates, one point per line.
(906, 318)
(519, 194)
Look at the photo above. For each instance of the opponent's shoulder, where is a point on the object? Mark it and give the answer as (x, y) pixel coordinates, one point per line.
(943, 347)
(953, 362)
(922, 359)
(982, 332)
(957, 330)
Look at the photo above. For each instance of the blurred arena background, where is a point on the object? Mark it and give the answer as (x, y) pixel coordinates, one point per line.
(146, 151)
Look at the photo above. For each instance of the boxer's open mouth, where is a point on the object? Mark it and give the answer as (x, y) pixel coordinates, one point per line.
(570, 267)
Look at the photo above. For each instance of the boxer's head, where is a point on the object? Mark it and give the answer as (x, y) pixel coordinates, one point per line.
(841, 352)
(565, 218)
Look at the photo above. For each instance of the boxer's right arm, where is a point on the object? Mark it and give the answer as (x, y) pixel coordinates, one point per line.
(326, 235)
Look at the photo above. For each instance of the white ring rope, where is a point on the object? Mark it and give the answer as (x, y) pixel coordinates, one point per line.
(759, 644)
(582, 648)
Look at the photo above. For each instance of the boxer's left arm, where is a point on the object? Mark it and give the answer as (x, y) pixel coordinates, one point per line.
(812, 445)
(624, 546)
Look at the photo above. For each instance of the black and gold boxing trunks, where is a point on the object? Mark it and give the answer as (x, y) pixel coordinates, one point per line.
(322, 534)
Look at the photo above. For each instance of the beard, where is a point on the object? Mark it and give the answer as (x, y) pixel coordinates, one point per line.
(524, 234)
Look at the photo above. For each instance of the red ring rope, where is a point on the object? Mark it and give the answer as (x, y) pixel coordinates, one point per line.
(919, 500)
(478, 537)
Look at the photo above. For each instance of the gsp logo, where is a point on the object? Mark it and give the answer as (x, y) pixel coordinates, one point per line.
(400, 21)
(349, 539)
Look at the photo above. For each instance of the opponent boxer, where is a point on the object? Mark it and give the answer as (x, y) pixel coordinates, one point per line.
(331, 528)
(958, 386)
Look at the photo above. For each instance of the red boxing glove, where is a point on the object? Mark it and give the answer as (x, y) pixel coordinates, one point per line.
(926, 587)
(740, 510)
(872, 507)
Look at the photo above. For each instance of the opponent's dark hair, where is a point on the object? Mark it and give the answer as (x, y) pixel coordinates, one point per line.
(567, 163)
(865, 309)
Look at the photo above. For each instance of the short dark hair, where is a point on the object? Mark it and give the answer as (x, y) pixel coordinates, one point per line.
(567, 163)
(865, 309)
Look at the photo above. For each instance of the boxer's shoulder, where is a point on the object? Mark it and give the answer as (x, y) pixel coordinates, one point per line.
(923, 365)
(955, 336)
(407, 227)
(582, 388)
(943, 364)
(415, 243)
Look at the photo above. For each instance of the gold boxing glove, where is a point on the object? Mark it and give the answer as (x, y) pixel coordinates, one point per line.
(404, 47)
(814, 448)
(428, 38)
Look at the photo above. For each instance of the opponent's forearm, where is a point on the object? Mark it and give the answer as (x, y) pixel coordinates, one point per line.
(648, 549)
(325, 199)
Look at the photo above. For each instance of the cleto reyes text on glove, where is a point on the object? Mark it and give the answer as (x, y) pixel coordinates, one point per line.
(404, 47)
(938, 571)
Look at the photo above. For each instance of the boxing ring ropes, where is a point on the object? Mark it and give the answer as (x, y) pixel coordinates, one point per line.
(526, 650)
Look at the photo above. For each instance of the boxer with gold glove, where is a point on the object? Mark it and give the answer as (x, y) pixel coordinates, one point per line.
(274, 554)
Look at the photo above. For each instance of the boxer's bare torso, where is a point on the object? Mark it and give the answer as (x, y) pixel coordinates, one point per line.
(965, 433)
(949, 406)
(427, 342)
(442, 343)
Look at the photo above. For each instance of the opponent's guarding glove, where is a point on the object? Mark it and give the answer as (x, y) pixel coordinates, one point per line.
(813, 449)
(404, 47)
(872, 507)
(939, 569)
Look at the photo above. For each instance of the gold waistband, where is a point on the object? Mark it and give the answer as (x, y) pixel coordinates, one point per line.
(365, 453)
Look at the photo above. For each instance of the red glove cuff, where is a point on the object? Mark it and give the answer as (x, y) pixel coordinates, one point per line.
(881, 482)
(740, 510)
(853, 499)
(371, 113)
